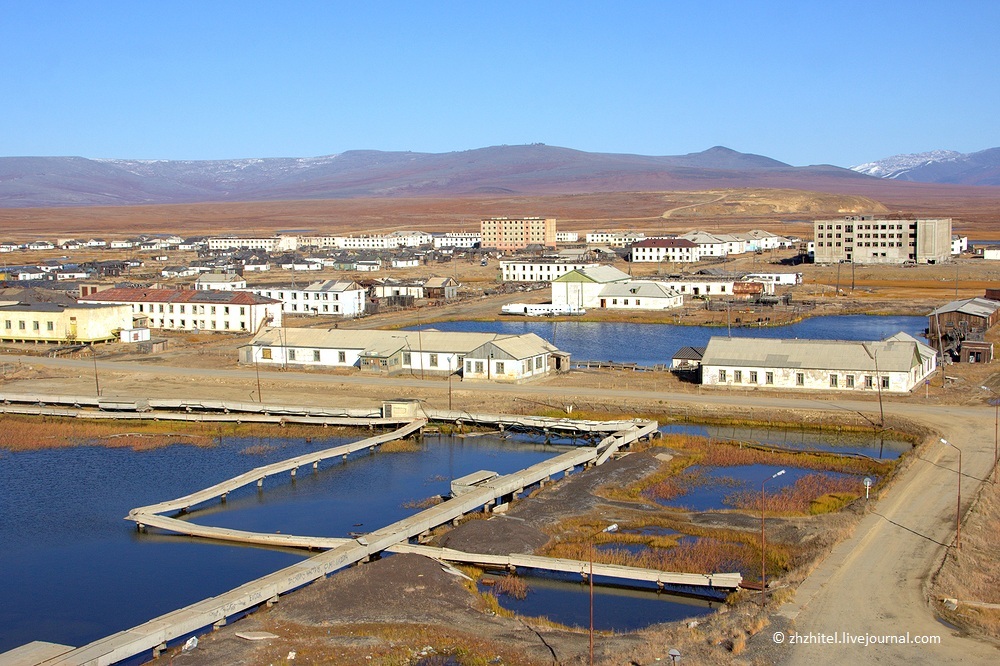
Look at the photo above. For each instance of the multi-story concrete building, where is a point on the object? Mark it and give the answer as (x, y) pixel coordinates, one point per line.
(515, 233)
(459, 239)
(538, 270)
(866, 240)
(655, 250)
(614, 238)
(191, 310)
(268, 244)
(343, 298)
(567, 237)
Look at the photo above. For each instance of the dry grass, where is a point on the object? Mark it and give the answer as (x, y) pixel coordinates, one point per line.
(972, 574)
(27, 433)
(512, 586)
(389, 645)
(812, 494)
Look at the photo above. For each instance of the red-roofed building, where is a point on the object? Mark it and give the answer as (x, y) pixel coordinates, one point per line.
(665, 249)
(190, 310)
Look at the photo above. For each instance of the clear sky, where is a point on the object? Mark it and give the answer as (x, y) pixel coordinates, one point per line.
(802, 81)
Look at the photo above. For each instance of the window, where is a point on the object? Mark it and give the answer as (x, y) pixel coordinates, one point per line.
(753, 376)
(722, 375)
(316, 355)
(50, 326)
(768, 377)
(500, 367)
(885, 382)
(833, 381)
(538, 362)
(849, 379)
(7, 324)
(433, 360)
(407, 358)
(479, 367)
(182, 309)
(341, 357)
(36, 325)
(737, 376)
(20, 326)
(265, 353)
(800, 379)
(868, 382)
(291, 354)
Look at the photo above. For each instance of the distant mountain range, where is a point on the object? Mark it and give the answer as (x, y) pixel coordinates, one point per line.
(534, 169)
(939, 166)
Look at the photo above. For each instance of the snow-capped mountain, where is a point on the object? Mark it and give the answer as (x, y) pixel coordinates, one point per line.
(898, 166)
(938, 166)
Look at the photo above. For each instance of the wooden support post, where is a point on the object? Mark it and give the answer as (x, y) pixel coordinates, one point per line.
(294, 470)
(159, 649)
(315, 464)
(273, 600)
(219, 624)
(260, 482)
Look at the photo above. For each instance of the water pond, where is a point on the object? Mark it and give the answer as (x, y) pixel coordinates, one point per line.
(652, 344)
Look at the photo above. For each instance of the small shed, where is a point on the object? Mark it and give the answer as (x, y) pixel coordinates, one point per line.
(400, 408)
(687, 358)
(134, 335)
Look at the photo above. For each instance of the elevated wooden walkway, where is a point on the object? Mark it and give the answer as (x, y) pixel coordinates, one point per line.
(339, 552)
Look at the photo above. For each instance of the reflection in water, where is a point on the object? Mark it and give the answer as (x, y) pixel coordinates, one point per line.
(566, 600)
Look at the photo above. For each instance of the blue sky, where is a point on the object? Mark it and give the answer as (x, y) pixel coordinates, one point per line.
(800, 81)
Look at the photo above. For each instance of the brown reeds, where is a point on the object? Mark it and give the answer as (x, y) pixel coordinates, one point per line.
(512, 586)
(805, 496)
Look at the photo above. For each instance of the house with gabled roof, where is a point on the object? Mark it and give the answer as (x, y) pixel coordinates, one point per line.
(894, 365)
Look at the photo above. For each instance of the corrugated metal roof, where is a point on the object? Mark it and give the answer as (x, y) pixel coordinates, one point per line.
(976, 307)
(129, 295)
(639, 289)
(893, 355)
(599, 274)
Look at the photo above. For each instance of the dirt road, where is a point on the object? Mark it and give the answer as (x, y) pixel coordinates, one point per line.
(871, 584)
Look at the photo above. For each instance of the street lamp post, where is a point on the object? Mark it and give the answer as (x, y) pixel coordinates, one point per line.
(763, 580)
(958, 509)
(613, 527)
(995, 401)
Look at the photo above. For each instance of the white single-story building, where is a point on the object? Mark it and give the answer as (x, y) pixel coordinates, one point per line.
(582, 287)
(639, 295)
(894, 365)
(53, 322)
(482, 356)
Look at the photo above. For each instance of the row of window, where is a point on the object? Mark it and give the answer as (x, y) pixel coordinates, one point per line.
(317, 296)
(200, 324)
(23, 326)
(800, 379)
(182, 309)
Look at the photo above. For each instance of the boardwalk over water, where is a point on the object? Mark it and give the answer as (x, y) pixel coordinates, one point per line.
(339, 553)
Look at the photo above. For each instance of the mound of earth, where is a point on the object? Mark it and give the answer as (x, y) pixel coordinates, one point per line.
(760, 202)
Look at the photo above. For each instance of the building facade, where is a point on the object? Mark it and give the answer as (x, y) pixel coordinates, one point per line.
(474, 356)
(867, 240)
(342, 298)
(52, 322)
(516, 233)
(893, 365)
(190, 310)
(538, 270)
(671, 250)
